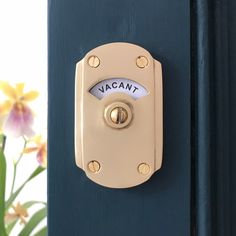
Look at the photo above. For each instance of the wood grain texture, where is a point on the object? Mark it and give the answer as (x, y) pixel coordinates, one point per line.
(78, 206)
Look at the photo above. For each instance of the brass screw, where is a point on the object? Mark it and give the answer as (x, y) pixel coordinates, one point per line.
(94, 166)
(142, 62)
(119, 115)
(94, 61)
(144, 168)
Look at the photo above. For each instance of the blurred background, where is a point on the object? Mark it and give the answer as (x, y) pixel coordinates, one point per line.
(23, 58)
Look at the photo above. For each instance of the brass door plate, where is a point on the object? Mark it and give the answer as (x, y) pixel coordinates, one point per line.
(118, 115)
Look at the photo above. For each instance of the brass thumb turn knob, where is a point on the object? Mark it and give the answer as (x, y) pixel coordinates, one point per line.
(119, 115)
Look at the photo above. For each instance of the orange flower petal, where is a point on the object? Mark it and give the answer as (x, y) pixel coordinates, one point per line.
(20, 210)
(9, 217)
(27, 97)
(42, 156)
(31, 149)
(8, 90)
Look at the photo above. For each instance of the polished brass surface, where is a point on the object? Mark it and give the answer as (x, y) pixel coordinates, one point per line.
(119, 115)
(142, 62)
(94, 61)
(94, 166)
(118, 143)
(144, 169)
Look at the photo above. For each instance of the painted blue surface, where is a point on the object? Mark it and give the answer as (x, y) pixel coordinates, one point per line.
(214, 61)
(78, 206)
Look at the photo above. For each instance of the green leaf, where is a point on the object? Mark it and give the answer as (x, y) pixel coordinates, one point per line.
(36, 172)
(2, 192)
(26, 205)
(2, 141)
(33, 222)
(42, 232)
(10, 226)
(31, 203)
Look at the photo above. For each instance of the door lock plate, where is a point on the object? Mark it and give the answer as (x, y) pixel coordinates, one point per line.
(118, 115)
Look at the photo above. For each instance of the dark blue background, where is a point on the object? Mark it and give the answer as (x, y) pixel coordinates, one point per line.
(78, 206)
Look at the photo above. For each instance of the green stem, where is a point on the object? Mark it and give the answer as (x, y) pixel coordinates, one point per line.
(14, 178)
(35, 173)
(2, 185)
(21, 155)
(15, 166)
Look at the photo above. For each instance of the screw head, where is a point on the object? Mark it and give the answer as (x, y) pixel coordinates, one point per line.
(144, 169)
(94, 166)
(142, 62)
(119, 115)
(93, 61)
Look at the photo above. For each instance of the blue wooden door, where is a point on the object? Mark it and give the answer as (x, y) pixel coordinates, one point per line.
(161, 206)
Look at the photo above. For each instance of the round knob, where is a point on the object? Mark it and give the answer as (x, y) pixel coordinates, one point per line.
(119, 115)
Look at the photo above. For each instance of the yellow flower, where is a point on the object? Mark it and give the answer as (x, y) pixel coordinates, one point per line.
(18, 117)
(40, 147)
(19, 212)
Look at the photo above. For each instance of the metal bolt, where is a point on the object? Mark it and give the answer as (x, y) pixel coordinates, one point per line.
(94, 61)
(94, 166)
(142, 62)
(144, 168)
(119, 115)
